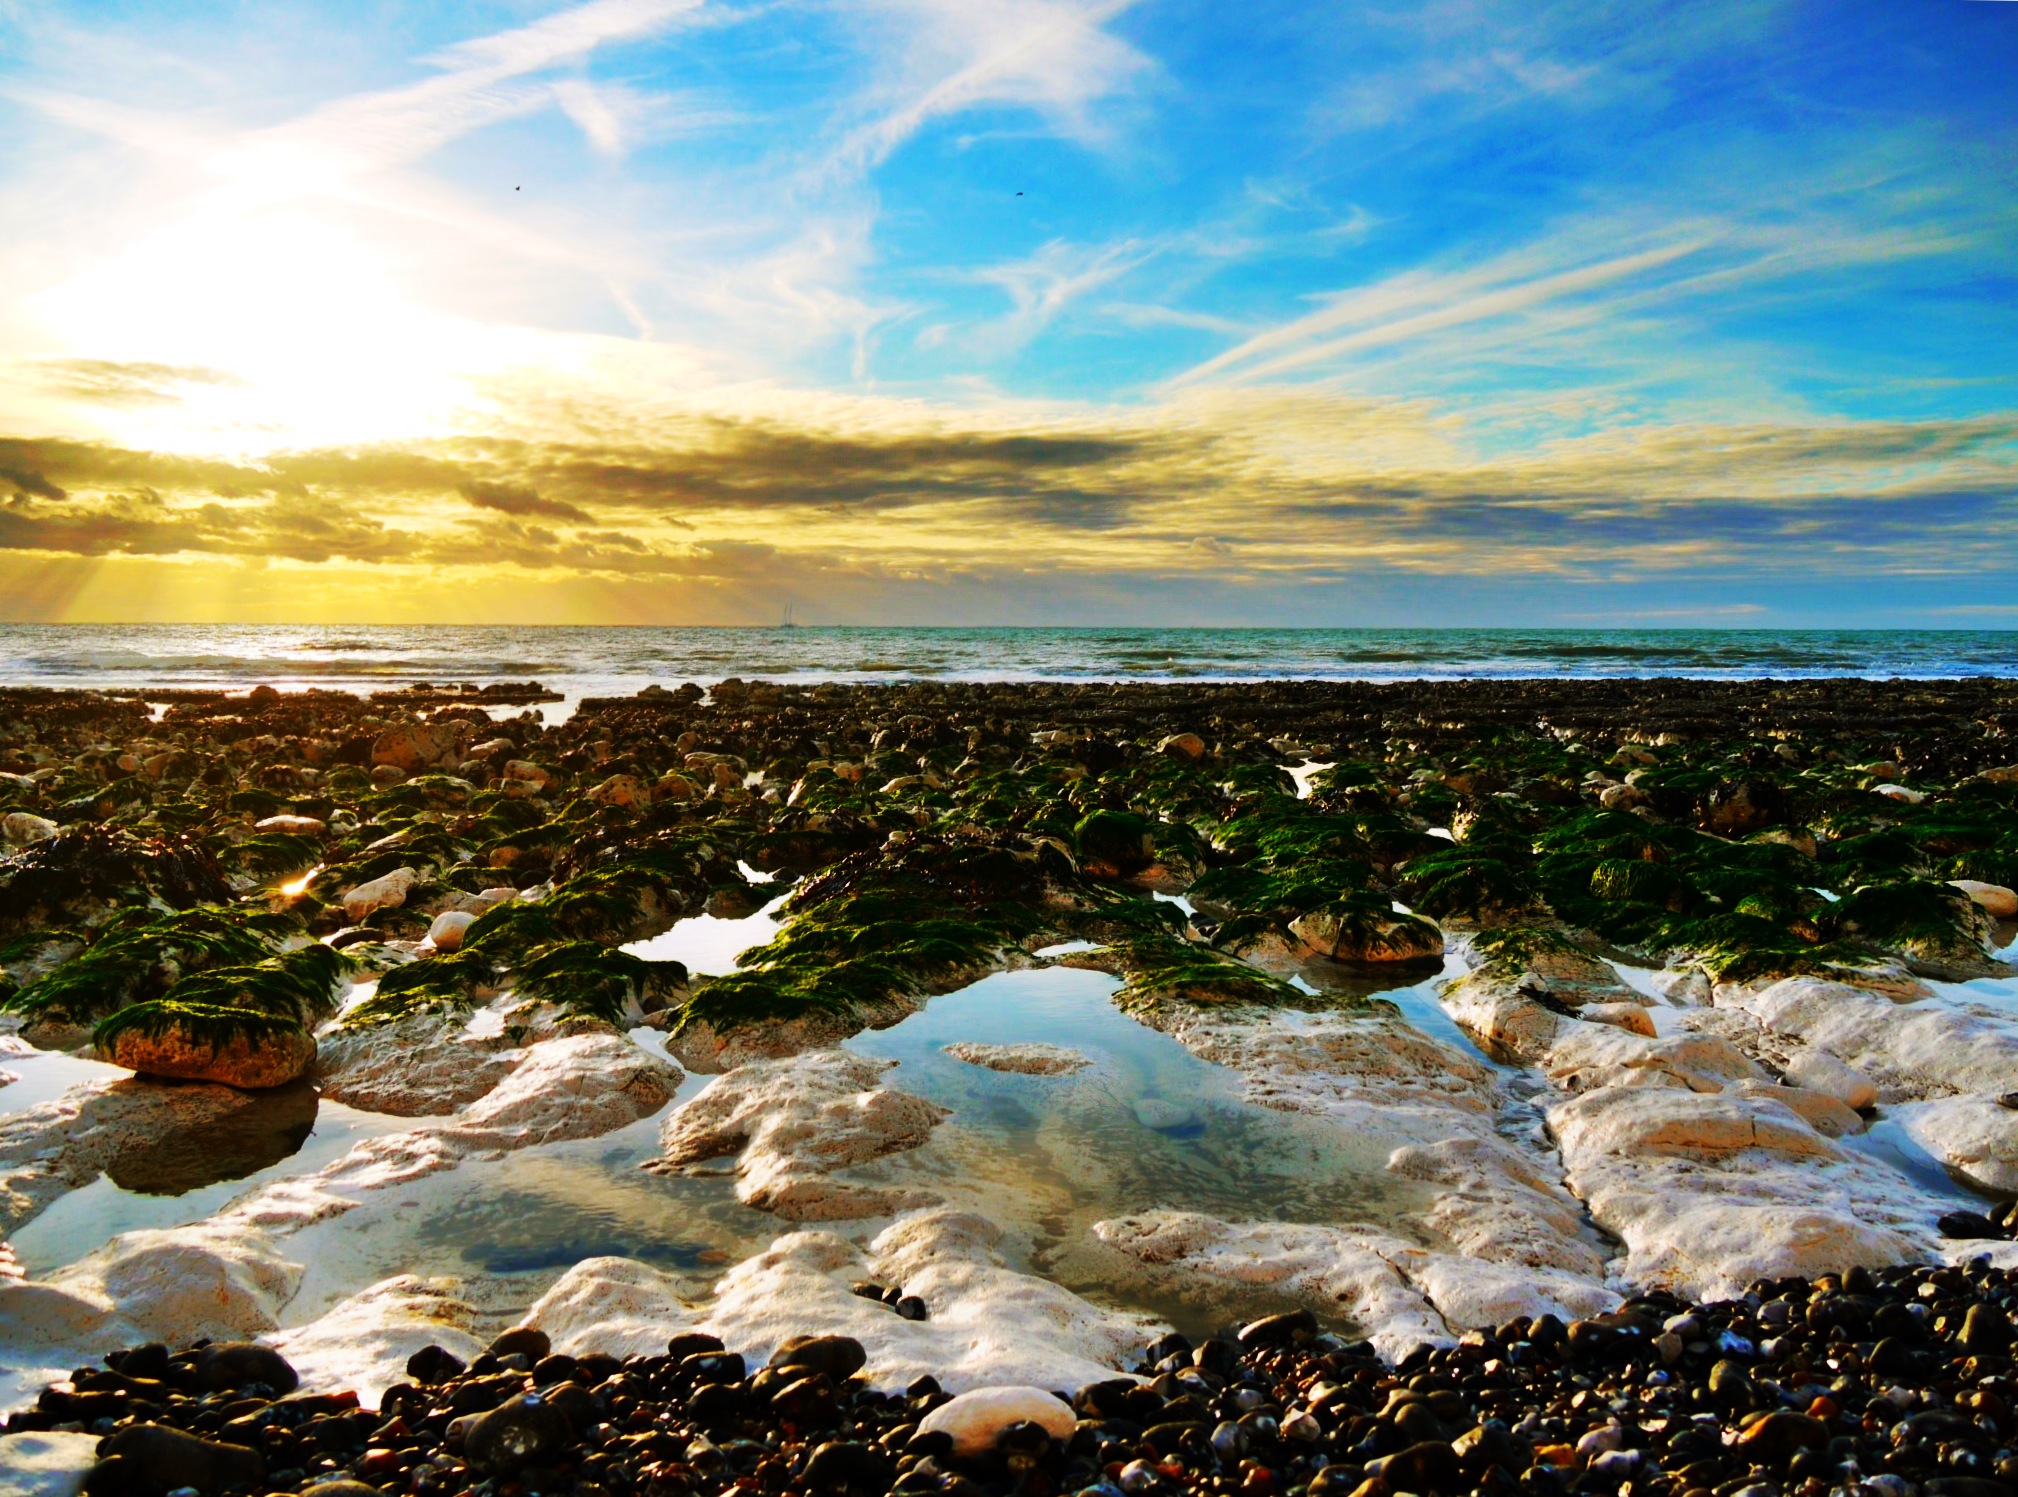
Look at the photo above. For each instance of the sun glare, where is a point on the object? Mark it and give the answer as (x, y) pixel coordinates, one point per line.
(293, 330)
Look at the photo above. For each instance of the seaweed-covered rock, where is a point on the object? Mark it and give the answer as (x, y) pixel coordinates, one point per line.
(237, 1047)
(1364, 928)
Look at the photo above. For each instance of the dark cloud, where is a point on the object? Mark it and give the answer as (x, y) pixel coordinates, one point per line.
(29, 483)
(1278, 489)
(512, 499)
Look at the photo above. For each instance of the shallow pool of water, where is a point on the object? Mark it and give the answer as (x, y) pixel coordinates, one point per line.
(190, 1174)
(710, 945)
(1148, 1125)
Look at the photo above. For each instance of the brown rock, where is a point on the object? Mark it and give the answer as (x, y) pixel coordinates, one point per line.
(243, 1061)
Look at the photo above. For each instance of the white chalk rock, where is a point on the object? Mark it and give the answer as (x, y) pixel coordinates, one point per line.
(20, 829)
(419, 1067)
(446, 931)
(302, 826)
(614, 1305)
(1901, 793)
(217, 1279)
(1023, 1060)
(793, 1122)
(1997, 901)
(1633, 1122)
(1976, 1137)
(1633, 1018)
(362, 1342)
(1828, 1115)
(578, 1086)
(1819, 1071)
(51, 1465)
(977, 1418)
(1924, 1050)
(388, 891)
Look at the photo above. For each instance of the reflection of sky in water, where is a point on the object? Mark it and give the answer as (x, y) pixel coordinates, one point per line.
(708, 945)
(1148, 1125)
(87, 1218)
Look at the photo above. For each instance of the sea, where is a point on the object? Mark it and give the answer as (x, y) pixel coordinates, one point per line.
(578, 662)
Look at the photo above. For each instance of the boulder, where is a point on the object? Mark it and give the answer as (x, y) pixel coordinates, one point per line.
(303, 826)
(1997, 901)
(153, 1456)
(448, 927)
(1182, 746)
(523, 777)
(417, 746)
(1631, 1017)
(523, 1431)
(1358, 931)
(21, 829)
(1819, 1071)
(622, 790)
(197, 1042)
(977, 1418)
(387, 891)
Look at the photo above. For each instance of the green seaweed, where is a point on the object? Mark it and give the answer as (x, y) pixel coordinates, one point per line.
(200, 1023)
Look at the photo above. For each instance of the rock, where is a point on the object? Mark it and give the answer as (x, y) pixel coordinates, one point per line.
(979, 1417)
(1023, 1060)
(385, 776)
(850, 1463)
(21, 829)
(626, 791)
(1429, 1466)
(251, 1051)
(1969, 1226)
(1730, 1384)
(1780, 1436)
(434, 1364)
(522, 777)
(523, 1431)
(1975, 1137)
(521, 1341)
(51, 1465)
(1182, 746)
(575, 1086)
(1290, 1328)
(386, 892)
(1819, 1071)
(835, 1357)
(1825, 1114)
(1985, 1329)
(792, 1123)
(419, 746)
(1997, 901)
(157, 1457)
(674, 786)
(447, 930)
(239, 1364)
(303, 826)
(1355, 931)
(216, 1279)
(1631, 1017)
(420, 1066)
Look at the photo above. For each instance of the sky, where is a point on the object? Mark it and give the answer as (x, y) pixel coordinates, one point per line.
(1545, 312)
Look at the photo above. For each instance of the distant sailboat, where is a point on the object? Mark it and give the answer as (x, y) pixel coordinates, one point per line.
(786, 621)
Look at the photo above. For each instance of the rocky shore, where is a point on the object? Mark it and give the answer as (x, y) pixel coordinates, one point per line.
(1673, 1020)
(1888, 1383)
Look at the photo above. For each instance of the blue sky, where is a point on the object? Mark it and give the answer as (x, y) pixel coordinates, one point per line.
(1011, 310)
